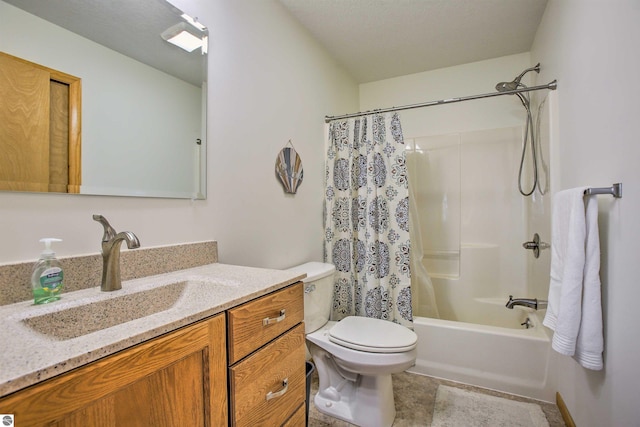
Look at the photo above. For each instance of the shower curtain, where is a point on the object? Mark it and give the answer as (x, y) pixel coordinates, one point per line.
(424, 299)
(367, 218)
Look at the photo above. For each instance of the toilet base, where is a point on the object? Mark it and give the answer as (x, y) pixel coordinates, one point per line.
(368, 402)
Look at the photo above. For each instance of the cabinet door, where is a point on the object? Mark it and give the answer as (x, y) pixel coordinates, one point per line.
(24, 126)
(178, 379)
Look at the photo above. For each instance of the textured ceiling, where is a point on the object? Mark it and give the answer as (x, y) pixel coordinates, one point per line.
(379, 39)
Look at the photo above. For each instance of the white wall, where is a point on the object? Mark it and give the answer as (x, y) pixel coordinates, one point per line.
(591, 48)
(269, 82)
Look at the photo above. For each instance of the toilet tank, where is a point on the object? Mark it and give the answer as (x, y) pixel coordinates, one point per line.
(318, 293)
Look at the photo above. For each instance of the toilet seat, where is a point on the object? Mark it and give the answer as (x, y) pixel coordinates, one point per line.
(358, 361)
(372, 335)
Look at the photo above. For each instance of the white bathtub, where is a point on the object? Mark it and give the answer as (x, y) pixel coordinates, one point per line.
(507, 358)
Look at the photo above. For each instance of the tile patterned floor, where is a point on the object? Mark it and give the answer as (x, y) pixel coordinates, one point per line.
(415, 398)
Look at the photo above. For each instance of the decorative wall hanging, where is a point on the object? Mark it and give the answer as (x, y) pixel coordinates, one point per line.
(289, 168)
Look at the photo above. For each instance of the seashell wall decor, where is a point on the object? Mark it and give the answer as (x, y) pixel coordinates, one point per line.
(289, 168)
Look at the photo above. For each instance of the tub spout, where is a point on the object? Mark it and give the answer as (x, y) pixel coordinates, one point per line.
(534, 303)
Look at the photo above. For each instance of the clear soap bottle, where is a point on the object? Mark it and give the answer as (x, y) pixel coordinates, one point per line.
(47, 278)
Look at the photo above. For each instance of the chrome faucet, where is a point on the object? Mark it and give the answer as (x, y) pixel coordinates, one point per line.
(534, 303)
(111, 242)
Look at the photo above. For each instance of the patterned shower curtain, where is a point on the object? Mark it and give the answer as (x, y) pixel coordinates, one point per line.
(367, 218)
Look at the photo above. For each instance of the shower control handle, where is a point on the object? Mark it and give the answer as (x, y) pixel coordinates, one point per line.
(535, 245)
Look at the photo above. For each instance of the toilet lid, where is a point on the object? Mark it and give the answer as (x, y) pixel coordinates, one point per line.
(372, 335)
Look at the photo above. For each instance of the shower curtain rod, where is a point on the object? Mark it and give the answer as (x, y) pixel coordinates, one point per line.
(552, 86)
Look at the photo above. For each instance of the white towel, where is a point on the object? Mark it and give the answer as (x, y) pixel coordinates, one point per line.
(575, 311)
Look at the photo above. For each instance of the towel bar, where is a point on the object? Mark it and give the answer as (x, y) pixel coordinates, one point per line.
(615, 190)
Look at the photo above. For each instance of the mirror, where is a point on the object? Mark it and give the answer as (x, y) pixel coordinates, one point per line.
(142, 129)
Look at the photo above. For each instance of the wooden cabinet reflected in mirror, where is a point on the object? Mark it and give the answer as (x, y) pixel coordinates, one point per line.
(40, 128)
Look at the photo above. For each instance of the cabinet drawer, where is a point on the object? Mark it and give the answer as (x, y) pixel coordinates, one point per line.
(298, 419)
(257, 392)
(257, 322)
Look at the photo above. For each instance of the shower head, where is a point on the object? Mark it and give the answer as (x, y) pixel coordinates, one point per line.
(515, 84)
(507, 86)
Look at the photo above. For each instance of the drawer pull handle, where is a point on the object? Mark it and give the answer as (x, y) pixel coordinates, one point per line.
(269, 321)
(274, 394)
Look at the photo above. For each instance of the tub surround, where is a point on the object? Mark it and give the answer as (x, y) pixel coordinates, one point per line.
(30, 357)
(82, 272)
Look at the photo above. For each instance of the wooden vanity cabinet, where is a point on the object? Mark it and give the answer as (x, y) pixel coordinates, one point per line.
(178, 379)
(267, 375)
(183, 378)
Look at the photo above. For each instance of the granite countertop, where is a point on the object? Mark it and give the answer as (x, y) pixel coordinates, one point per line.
(28, 357)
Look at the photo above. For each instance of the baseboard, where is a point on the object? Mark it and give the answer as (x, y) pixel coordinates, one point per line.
(564, 411)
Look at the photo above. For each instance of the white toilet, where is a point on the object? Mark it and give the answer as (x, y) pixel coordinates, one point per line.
(355, 357)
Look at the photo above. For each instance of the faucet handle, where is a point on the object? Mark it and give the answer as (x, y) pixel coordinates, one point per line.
(536, 245)
(109, 232)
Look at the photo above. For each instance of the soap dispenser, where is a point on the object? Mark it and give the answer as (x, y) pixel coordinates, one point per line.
(47, 277)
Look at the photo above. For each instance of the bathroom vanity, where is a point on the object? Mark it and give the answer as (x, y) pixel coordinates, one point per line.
(228, 350)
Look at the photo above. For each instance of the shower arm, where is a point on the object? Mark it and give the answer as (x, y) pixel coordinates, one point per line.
(535, 68)
(550, 86)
